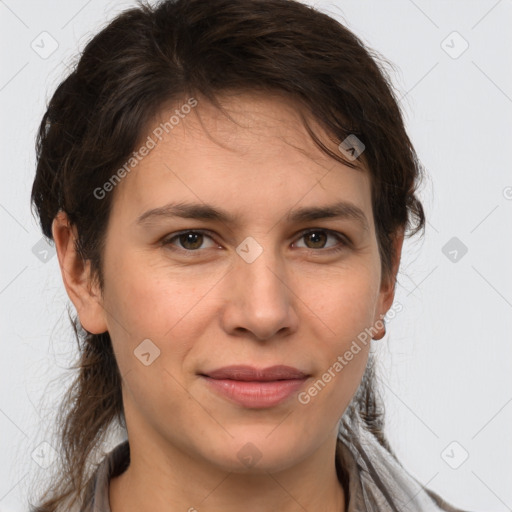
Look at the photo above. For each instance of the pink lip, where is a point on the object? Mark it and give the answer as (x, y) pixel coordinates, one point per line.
(254, 388)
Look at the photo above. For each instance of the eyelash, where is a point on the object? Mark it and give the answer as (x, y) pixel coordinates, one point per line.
(345, 242)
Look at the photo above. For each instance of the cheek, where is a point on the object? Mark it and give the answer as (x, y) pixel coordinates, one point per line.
(341, 312)
(343, 299)
(164, 304)
(168, 308)
(342, 358)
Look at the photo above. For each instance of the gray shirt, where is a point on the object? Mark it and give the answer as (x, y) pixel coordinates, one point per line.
(376, 481)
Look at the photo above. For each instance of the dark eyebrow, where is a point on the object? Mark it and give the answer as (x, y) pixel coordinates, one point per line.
(342, 210)
(339, 210)
(186, 211)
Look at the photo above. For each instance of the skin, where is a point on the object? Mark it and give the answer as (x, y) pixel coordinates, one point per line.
(296, 304)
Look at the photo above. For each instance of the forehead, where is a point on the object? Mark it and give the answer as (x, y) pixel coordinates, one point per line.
(261, 155)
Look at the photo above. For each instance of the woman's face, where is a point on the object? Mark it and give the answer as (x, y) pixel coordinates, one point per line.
(248, 288)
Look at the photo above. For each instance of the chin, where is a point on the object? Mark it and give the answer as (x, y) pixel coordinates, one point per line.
(256, 454)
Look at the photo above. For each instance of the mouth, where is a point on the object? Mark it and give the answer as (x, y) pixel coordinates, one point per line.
(255, 388)
(249, 373)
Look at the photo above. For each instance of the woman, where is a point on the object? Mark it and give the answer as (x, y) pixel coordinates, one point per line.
(228, 184)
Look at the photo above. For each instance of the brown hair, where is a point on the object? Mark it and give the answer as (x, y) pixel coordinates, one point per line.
(149, 56)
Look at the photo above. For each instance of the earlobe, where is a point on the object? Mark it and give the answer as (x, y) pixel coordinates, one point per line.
(76, 275)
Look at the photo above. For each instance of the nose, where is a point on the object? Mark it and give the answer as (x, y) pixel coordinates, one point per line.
(259, 298)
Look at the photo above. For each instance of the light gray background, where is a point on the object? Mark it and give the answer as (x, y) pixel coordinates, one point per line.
(446, 361)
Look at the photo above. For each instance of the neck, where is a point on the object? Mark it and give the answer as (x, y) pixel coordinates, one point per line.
(168, 480)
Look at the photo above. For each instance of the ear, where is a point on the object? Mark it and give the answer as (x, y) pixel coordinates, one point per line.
(387, 290)
(76, 275)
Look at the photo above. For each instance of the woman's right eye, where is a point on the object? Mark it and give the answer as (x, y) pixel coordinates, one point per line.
(190, 241)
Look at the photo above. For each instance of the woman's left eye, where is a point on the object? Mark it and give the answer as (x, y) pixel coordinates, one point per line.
(193, 240)
(317, 238)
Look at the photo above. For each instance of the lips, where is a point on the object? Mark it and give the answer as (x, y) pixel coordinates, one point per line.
(255, 388)
(249, 373)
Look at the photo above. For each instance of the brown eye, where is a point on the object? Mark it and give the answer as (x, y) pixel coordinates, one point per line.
(317, 239)
(326, 241)
(191, 240)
